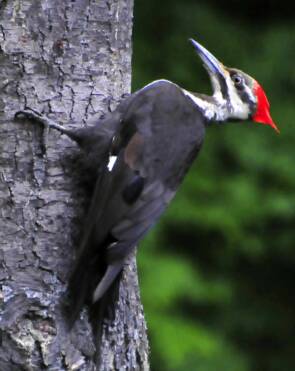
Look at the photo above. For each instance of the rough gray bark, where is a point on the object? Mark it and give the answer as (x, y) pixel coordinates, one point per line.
(71, 60)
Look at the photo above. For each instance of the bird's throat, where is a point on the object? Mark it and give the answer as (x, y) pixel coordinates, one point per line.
(214, 108)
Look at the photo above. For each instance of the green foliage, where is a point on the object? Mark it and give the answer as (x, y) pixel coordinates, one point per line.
(217, 272)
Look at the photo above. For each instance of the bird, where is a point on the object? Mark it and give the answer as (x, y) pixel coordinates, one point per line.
(140, 154)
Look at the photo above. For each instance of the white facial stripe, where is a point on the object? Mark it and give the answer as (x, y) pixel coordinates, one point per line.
(111, 163)
(239, 109)
(250, 94)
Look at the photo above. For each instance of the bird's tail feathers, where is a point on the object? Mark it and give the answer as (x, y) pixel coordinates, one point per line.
(79, 288)
(89, 283)
(110, 275)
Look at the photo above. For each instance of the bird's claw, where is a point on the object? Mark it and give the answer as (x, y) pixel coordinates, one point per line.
(29, 113)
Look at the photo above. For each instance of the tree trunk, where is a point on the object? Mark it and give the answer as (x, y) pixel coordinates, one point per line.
(71, 60)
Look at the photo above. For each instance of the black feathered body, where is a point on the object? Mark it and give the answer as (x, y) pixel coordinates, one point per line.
(141, 153)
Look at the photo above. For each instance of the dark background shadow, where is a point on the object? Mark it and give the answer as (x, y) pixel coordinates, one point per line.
(218, 272)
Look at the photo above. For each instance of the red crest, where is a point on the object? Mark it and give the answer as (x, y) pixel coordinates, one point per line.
(262, 113)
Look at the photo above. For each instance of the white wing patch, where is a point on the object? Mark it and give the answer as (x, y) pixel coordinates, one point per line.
(111, 163)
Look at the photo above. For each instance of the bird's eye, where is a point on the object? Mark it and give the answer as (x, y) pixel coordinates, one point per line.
(237, 79)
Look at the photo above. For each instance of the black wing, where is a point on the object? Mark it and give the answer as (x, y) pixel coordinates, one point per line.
(159, 135)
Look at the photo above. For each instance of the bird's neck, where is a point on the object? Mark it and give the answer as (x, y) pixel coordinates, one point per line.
(214, 108)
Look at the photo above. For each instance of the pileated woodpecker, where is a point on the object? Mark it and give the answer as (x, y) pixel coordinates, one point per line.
(141, 153)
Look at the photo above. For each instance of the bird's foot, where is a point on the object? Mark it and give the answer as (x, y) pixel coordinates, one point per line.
(31, 114)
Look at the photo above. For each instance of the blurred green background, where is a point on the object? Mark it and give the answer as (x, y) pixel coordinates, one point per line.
(217, 273)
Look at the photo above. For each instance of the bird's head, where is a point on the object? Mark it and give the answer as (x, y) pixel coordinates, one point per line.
(237, 94)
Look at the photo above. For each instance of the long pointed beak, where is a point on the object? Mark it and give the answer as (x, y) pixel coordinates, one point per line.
(209, 60)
